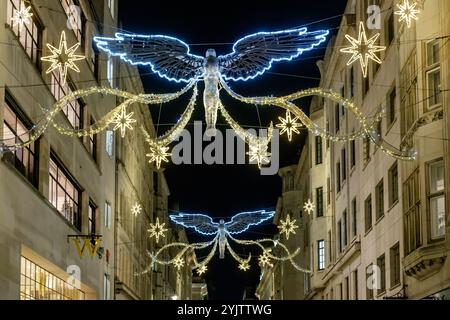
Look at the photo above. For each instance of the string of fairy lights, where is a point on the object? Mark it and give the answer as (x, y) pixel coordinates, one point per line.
(362, 49)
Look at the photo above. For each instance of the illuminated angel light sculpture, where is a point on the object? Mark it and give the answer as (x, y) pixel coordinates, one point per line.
(238, 224)
(171, 59)
(224, 232)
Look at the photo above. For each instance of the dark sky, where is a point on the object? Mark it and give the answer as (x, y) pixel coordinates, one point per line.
(222, 191)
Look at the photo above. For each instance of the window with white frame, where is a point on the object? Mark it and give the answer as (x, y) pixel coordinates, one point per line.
(321, 254)
(75, 19)
(30, 35)
(110, 142)
(436, 199)
(110, 71)
(107, 215)
(433, 74)
(106, 287)
(73, 110)
(111, 7)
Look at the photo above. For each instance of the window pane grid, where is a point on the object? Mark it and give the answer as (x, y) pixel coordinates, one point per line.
(36, 283)
(64, 196)
(29, 36)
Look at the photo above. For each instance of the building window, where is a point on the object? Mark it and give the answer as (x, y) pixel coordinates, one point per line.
(37, 283)
(92, 218)
(338, 177)
(390, 30)
(107, 215)
(93, 143)
(344, 229)
(379, 200)
(353, 154)
(381, 263)
(106, 287)
(354, 218)
(94, 61)
(391, 109)
(369, 289)
(330, 248)
(355, 285)
(351, 83)
(339, 231)
(433, 74)
(76, 19)
(110, 71)
(319, 200)
(109, 143)
(368, 213)
(393, 184)
(395, 265)
(328, 191)
(344, 164)
(64, 194)
(408, 94)
(436, 199)
(30, 35)
(321, 254)
(347, 289)
(365, 85)
(111, 7)
(411, 205)
(74, 109)
(319, 150)
(337, 118)
(16, 130)
(366, 150)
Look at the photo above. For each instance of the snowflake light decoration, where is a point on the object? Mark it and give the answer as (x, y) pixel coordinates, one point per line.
(288, 226)
(202, 270)
(258, 153)
(407, 12)
(363, 49)
(178, 263)
(136, 209)
(158, 154)
(309, 207)
(244, 266)
(264, 260)
(157, 230)
(123, 121)
(289, 125)
(63, 58)
(22, 17)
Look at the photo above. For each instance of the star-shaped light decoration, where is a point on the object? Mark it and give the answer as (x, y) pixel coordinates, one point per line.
(22, 17)
(178, 263)
(264, 259)
(309, 207)
(407, 12)
(123, 121)
(202, 270)
(288, 226)
(244, 266)
(363, 49)
(258, 153)
(289, 125)
(63, 58)
(158, 154)
(157, 230)
(136, 210)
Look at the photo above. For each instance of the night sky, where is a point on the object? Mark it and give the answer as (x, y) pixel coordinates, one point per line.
(223, 191)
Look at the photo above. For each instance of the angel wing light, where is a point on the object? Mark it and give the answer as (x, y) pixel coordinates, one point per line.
(170, 58)
(238, 224)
